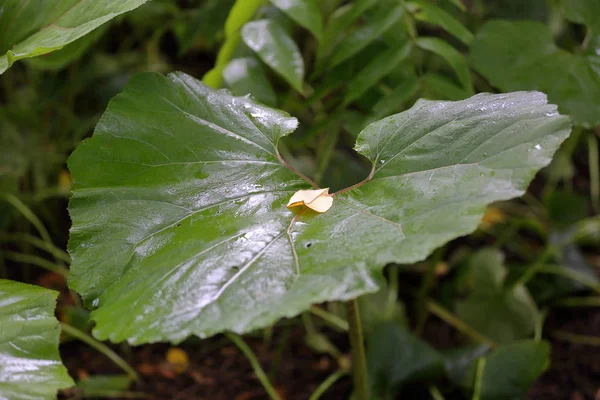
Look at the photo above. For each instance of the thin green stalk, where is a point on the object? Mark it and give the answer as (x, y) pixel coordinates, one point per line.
(591, 301)
(278, 353)
(359, 359)
(424, 289)
(594, 165)
(330, 318)
(260, 373)
(458, 324)
(435, 393)
(576, 338)
(102, 348)
(535, 268)
(478, 378)
(29, 215)
(570, 274)
(37, 261)
(326, 384)
(539, 325)
(37, 242)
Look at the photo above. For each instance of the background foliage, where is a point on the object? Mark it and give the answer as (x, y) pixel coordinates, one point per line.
(481, 318)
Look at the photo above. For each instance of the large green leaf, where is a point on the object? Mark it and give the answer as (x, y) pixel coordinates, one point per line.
(277, 49)
(537, 63)
(32, 28)
(304, 12)
(180, 223)
(499, 311)
(30, 366)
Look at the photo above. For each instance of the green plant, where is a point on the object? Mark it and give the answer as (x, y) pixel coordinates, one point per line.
(179, 219)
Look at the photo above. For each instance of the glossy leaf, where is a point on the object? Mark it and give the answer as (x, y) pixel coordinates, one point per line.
(509, 370)
(375, 70)
(356, 41)
(246, 76)
(537, 63)
(180, 224)
(71, 52)
(396, 357)
(241, 13)
(435, 15)
(30, 366)
(454, 58)
(33, 28)
(277, 49)
(501, 312)
(304, 12)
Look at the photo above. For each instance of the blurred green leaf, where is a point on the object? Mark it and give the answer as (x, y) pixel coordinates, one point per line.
(71, 52)
(442, 87)
(454, 58)
(393, 101)
(337, 24)
(380, 307)
(537, 63)
(241, 12)
(375, 70)
(356, 41)
(510, 370)
(395, 357)
(29, 29)
(277, 49)
(582, 12)
(103, 386)
(246, 75)
(30, 366)
(458, 361)
(437, 16)
(500, 312)
(206, 25)
(305, 12)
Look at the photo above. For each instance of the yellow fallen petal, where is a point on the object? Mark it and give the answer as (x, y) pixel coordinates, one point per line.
(316, 199)
(305, 196)
(321, 203)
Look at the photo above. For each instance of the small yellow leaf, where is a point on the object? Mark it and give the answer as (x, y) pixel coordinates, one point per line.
(318, 200)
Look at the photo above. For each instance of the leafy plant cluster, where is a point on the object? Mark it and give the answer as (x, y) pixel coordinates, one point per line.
(178, 199)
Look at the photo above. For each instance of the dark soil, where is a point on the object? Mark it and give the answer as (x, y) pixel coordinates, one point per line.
(219, 371)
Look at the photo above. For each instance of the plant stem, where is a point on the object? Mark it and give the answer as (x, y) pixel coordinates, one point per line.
(359, 360)
(478, 378)
(260, 373)
(326, 384)
(592, 301)
(594, 164)
(457, 323)
(576, 338)
(330, 318)
(102, 348)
